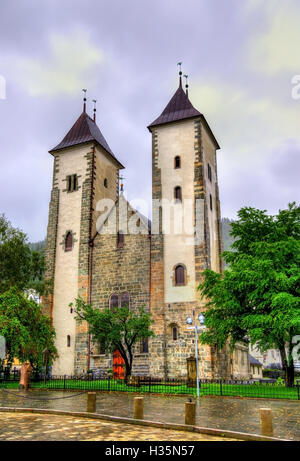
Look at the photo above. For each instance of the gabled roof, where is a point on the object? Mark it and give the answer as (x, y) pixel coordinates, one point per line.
(181, 108)
(84, 130)
(254, 361)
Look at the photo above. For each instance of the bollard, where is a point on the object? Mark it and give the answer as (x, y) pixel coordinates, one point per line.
(138, 407)
(190, 413)
(266, 425)
(91, 402)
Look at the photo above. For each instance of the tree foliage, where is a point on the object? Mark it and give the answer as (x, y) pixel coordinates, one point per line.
(20, 267)
(258, 296)
(116, 328)
(26, 330)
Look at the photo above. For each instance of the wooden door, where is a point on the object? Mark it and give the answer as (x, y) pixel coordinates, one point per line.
(118, 366)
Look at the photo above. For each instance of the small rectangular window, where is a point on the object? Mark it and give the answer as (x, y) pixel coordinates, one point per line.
(144, 346)
(210, 202)
(72, 182)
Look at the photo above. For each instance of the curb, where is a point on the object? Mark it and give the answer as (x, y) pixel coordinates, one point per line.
(172, 426)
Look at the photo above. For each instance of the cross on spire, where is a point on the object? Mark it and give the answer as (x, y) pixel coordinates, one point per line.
(180, 73)
(121, 185)
(84, 99)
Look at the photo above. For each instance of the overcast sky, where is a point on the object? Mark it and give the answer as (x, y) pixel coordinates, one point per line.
(240, 55)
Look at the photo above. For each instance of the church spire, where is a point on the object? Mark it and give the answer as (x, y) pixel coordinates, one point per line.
(180, 74)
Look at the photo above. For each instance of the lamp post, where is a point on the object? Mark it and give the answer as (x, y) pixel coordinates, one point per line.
(195, 327)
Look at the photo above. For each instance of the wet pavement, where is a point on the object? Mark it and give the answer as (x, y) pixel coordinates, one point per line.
(21, 426)
(220, 412)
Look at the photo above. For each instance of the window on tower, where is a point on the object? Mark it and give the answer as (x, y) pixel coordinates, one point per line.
(69, 241)
(114, 301)
(177, 162)
(210, 202)
(174, 333)
(125, 300)
(180, 275)
(68, 341)
(177, 194)
(120, 239)
(72, 182)
(209, 172)
(105, 183)
(144, 346)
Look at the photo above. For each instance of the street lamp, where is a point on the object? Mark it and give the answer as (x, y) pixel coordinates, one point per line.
(195, 327)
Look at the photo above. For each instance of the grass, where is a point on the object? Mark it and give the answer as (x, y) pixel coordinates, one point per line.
(257, 390)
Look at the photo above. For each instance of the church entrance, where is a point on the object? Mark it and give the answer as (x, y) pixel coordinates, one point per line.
(118, 365)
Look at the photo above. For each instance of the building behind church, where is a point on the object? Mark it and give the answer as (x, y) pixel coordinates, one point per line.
(156, 265)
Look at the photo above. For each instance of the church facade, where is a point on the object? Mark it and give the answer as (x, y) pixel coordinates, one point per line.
(102, 249)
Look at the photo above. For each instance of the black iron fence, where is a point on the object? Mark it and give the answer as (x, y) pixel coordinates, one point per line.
(235, 388)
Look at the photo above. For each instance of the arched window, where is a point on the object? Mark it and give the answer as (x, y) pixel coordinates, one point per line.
(177, 162)
(105, 182)
(179, 275)
(174, 333)
(125, 300)
(68, 341)
(120, 239)
(114, 301)
(69, 242)
(177, 194)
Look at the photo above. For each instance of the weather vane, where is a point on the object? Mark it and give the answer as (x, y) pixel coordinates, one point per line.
(186, 83)
(84, 99)
(95, 102)
(121, 185)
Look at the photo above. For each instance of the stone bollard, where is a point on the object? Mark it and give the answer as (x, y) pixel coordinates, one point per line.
(138, 407)
(190, 413)
(266, 425)
(91, 402)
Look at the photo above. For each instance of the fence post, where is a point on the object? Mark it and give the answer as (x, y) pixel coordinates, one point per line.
(91, 402)
(138, 407)
(221, 390)
(150, 385)
(298, 391)
(64, 382)
(266, 425)
(190, 413)
(109, 384)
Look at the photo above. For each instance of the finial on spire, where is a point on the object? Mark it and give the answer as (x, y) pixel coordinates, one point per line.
(95, 110)
(84, 99)
(186, 85)
(180, 74)
(121, 185)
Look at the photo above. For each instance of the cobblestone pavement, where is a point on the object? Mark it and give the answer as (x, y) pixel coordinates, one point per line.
(220, 412)
(22, 426)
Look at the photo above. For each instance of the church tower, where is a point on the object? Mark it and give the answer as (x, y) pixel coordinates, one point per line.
(186, 235)
(85, 171)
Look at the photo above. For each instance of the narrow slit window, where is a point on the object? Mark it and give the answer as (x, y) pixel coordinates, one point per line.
(120, 239)
(179, 276)
(68, 341)
(177, 162)
(209, 172)
(175, 333)
(69, 242)
(178, 194)
(210, 202)
(105, 183)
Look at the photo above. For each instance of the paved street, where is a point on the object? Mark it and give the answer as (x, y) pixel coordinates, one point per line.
(21, 426)
(220, 413)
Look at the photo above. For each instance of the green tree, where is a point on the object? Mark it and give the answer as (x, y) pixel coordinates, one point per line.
(257, 298)
(116, 328)
(26, 330)
(20, 267)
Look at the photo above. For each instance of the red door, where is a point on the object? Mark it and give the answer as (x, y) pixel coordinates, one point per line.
(118, 366)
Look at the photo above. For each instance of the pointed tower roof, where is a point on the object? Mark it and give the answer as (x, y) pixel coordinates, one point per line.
(85, 130)
(180, 108)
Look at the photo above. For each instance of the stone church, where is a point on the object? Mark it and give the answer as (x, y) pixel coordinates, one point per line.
(157, 265)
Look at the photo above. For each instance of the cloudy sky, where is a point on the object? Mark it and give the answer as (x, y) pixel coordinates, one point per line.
(241, 57)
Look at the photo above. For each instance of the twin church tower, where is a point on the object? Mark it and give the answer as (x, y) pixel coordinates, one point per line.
(159, 269)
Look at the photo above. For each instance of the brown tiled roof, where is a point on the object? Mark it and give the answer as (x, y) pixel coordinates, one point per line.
(84, 130)
(180, 108)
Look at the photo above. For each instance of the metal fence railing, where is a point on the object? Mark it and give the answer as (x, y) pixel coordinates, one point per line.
(144, 384)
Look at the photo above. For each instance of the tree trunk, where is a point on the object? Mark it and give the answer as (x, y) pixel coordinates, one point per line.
(288, 366)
